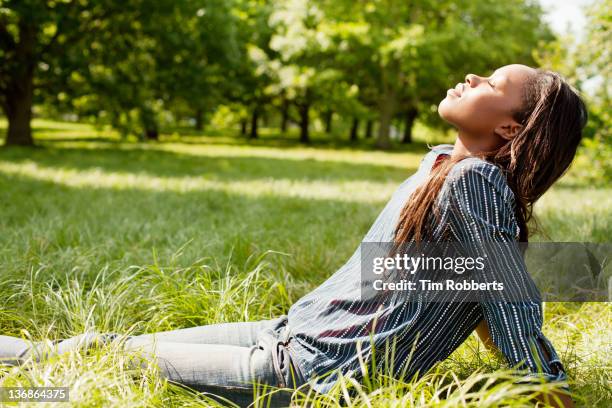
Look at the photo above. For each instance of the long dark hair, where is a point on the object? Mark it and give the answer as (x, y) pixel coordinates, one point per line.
(553, 116)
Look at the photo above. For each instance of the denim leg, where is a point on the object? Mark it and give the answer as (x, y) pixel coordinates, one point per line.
(228, 371)
(14, 350)
(223, 359)
(207, 364)
(224, 370)
(237, 334)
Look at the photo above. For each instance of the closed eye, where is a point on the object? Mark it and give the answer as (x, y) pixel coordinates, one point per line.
(490, 83)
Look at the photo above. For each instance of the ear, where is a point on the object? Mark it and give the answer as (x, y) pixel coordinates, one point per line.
(508, 130)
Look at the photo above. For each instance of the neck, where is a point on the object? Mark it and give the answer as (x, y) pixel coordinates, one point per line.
(468, 146)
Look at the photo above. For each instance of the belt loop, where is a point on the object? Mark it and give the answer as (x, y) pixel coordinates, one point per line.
(281, 352)
(285, 335)
(277, 367)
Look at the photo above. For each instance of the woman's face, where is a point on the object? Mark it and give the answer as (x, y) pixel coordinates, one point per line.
(482, 107)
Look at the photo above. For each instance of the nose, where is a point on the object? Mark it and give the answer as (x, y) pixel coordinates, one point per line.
(472, 80)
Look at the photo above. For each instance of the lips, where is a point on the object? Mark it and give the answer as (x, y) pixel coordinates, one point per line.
(459, 89)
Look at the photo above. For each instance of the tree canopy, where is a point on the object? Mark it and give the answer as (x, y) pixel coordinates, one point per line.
(134, 63)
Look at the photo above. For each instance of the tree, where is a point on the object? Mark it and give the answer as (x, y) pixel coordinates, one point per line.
(401, 53)
(35, 37)
(592, 70)
(199, 54)
(88, 54)
(586, 64)
(169, 62)
(253, 73)
(303, 52)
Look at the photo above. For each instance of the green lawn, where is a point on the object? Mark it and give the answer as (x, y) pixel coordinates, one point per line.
(133, 237)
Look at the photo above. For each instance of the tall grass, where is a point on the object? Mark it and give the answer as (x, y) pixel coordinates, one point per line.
(132, 238)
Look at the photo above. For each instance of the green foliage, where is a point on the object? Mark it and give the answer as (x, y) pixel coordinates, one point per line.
(594, 160)
(403, 55)
(587, 64)
(138, 65)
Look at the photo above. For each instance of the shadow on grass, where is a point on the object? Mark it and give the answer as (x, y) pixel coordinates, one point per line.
(269, 137)
(114, 158)
(283, 142)
(288, 142)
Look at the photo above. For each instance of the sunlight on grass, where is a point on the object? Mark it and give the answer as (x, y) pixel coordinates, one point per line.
(350, 191)
(46, 130)
(576, 214)
(400, 160)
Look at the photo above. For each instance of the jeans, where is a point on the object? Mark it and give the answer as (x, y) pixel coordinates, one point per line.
(223, 359)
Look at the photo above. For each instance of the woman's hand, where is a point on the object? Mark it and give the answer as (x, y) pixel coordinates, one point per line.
(554, 399)
(483, 333)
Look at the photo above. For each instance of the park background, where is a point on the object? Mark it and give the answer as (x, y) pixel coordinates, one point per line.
(178, 163)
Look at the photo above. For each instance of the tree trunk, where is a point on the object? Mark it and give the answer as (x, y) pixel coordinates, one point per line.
(199, 119)
(354, 130)
(254, 118)
(243, 127)
(304, 122)
(19, 115)
(284, 116)
(329, 117)
(409, 118)
(265, 120)
(386, 110)
(149, 123)
(369, 126)
(152, 133)
(19, 91)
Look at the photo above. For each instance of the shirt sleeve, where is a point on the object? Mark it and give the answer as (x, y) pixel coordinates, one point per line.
(480, 209)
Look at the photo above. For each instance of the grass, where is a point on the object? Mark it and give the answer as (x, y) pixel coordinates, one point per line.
(133, 237)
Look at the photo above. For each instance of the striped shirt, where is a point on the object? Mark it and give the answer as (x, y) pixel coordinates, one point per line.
(333, 328)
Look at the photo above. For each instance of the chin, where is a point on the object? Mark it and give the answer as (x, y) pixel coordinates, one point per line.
(444, 110)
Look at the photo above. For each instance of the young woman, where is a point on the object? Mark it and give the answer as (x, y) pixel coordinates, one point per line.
(518, 131)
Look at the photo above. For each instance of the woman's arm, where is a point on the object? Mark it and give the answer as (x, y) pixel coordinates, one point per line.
(480, 208)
